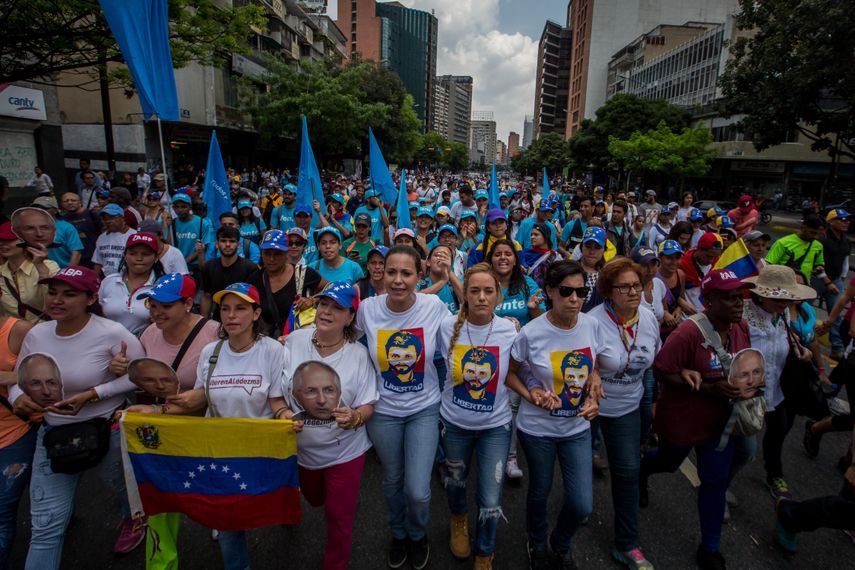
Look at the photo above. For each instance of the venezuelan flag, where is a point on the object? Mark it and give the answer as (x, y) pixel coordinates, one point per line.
(224, 473)
(737, 258)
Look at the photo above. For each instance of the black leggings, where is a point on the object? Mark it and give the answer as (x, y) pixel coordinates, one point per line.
(778, 425)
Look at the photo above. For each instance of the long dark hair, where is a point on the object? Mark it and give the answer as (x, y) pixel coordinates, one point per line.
(517, 282)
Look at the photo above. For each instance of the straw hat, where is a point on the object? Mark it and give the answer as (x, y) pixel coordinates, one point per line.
(779, 282)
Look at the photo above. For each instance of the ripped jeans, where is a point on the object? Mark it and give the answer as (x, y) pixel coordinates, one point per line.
(16, 460)
(490, 447)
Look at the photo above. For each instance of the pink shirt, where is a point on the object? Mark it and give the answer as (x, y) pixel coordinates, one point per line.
(738, 218)
(156, 347)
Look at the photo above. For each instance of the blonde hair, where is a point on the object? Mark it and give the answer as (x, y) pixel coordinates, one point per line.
(463, 313)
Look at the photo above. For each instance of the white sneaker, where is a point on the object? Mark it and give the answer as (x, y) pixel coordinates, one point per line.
(215, 535)
(512, 469)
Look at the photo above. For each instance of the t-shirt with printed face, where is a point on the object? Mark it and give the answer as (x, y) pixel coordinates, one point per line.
(474, 395)
(242, 382)
(561, 361)
(322, 443)
(621, 371)
(402, 346)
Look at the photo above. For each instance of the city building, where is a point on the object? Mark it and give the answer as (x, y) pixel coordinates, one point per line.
(528, 131)
(453, 107)
(600, 28)
(501, 152)
(513, 144)
(552, 79)
(401, 38)
(482, 146)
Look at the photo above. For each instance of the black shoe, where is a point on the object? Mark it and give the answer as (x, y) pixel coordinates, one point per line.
(397, 553)
(643, 492)
(811, 440)
(562, 561)
(419, 553)
(709, 560)
(538, 557)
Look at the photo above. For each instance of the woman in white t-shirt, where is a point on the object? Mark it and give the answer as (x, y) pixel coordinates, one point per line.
(629, 341)
(475, 413)
(560, 397)
(329, 383)
(401, 328)
(244, 381)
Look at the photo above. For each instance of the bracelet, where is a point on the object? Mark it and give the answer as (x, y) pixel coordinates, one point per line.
(278, 412)
(360, 420)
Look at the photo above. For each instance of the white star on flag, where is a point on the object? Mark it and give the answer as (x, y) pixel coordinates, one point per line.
(243, 486)
(192, 475)
(201, 468)
(225, 469)
(236, 476)
(213, 466)
(186, 484)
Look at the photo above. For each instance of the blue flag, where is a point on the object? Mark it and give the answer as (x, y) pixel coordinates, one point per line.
(141, 29)
(216, 192)
(546, 189)
(381, 180)
(309, 186)
(493, 198)
(403, 206)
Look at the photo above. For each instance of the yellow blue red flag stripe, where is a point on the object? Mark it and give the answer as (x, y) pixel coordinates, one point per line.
(738, 259)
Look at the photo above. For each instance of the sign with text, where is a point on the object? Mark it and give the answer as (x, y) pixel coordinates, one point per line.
(21, 102)
(17, 157)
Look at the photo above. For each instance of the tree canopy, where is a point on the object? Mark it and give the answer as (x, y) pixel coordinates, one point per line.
(436, 150)
(550, 150)
(794, 72)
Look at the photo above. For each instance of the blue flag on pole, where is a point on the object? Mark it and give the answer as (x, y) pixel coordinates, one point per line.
(381, 180)
(141, 29)
(546, 189)
(493, 198)
(309, 186)
(402, 208)
(216, 192)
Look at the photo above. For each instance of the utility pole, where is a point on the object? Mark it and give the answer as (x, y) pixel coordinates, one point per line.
(107, 113)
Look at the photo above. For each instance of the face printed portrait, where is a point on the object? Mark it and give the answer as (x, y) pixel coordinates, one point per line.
(34, 225)
(40, 379)
(316, 388)
(401, 358)
(748, 372)
(570, 372)
(476, 377)
(153, 376)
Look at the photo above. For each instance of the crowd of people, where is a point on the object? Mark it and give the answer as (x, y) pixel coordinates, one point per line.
(584, 328)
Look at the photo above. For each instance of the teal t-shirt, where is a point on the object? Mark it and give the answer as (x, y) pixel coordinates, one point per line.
(376, 221)
(348, 271)
(446, 294)
(188, 233)
(282, 218)
(69, 242)
(516, 306)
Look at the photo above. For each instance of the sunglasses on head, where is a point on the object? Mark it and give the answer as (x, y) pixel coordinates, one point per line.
(566, 291)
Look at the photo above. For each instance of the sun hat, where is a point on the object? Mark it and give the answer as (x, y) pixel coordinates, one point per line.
(779, 282)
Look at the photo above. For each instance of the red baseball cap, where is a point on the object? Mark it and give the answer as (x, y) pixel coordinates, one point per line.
(6, 232)
(722, 280)
(142, 238)
(78, 277)
(709, 241)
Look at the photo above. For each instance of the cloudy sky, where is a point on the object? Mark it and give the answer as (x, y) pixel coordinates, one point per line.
(494, 41)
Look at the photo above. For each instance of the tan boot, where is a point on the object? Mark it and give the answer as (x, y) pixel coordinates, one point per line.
(483, 562)
(459, 542)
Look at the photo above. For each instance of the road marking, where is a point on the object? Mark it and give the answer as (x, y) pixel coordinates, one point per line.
(688, 469)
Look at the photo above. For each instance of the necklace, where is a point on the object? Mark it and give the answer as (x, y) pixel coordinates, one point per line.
(480, 351)
(243, 348)
(626, 330)
(319, 345)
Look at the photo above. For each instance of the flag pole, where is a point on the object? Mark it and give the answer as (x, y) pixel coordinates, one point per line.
(163, 156)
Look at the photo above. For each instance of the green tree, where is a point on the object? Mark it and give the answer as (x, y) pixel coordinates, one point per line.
(620, 116)
(432, 149)
(456, 158)
(795, 72)
(550, 150)
(662, 151)
(42, 38)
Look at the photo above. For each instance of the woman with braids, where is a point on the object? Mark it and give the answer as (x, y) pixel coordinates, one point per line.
(475, 413)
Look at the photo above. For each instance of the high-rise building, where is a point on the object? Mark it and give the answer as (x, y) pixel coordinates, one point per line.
(528, 131)
(482, 139)
(453, 107)
(401, 38)
(602, 27)
(501, 152)
(552, 79)
(513, 144)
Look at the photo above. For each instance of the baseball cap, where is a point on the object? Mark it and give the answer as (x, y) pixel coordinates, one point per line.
(362, 220)
(245, 291)
(709, 241)
(337, 197)
(302, 209)
(595, 234)
(289, 188)
(447, 228)
(6, 232)
(299, 232)
(142, 238)
(46, 202)
(413, 204)
(724, 222)
(835, 214)
(673, 206)
(103, 194)
(112, 210)
(496, 214)
(425, 212)
(342, 293)
(670, 247)
(275, 239)
(76, 276)
(154, 195)
(150, 226)
(381, 249)
(170, 288)
(755, 235)
(722, 280)
(812, 221)
(745, 200)
(444, 210)
(545, 206)
(643, 255)
(404, 232)
(244, 204)
(371, 193)
(481, 194)
(713, 213)
(695, 215)
(327, 230)
(467, 214)
(182, 197)
(650, 193)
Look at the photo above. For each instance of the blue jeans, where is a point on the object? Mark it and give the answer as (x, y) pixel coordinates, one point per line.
(406, 447)
(744, 451)
(52, 501)
(624, 448)
(16, 462)
(713, 470)
(646, 405)
(234, 550)
(491, 451)
(574, 461)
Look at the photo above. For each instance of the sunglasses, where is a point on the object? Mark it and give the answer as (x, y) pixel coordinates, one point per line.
(565, 291)
(296, 243)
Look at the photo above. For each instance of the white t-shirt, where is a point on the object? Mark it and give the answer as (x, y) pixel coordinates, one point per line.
(122, 306)
(458, 208)
(402, 346)
(622, 372)
(173, 261)
(84, 363)
(553, 355)
(659, 291)
(109, 250)
(474, 395)
(242, 382)
(322, 443)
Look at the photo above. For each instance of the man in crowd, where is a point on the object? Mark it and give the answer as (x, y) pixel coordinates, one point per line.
(67, 248)
(571, 235)
(80, 176)
(85, 222)
(88, 189)
(357, 247)
(282, 217)
(617, 230)
(190, 233)
(225, 270)
(110, 247)
(375, 210)
(836, 249)
(466, 203)
(803, 251)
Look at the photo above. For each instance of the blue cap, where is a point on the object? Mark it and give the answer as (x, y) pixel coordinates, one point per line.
(302, 209)
(496, 214)
(327, 230)
(371, 193)
(467, 214)
(155, 195)
(503, 195)
(289, 188)
(413, 205)
(836, 214)
(338, 198)
(381, 249)
(595, 234)
(181, 197)
(275, 239)
(170, 288)
(244, 204)
(545, 206)
(245, 291)
(481, 194)
(725, 222)
(670, 247)
(447, 228)
(104, 194)
(342, 293)
(695, 215)
(643, 255)
(112, 210)
(425, 212)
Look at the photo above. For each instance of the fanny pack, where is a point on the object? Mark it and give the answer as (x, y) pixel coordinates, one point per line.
(77, 447)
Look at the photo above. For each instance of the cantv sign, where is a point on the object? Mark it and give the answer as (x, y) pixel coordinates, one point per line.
(21, 102)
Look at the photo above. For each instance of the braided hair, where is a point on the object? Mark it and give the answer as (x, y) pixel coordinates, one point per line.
(463, 313)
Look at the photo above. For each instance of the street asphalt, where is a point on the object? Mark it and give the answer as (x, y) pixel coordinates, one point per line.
(669, 531)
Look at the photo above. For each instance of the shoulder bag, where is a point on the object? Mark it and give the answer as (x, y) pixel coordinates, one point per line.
(77, 447)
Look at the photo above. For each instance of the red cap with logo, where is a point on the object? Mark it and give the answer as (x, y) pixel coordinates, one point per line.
(76, 276)
(722, 280)
(6, 232)
(709, 241)
(142, 238)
